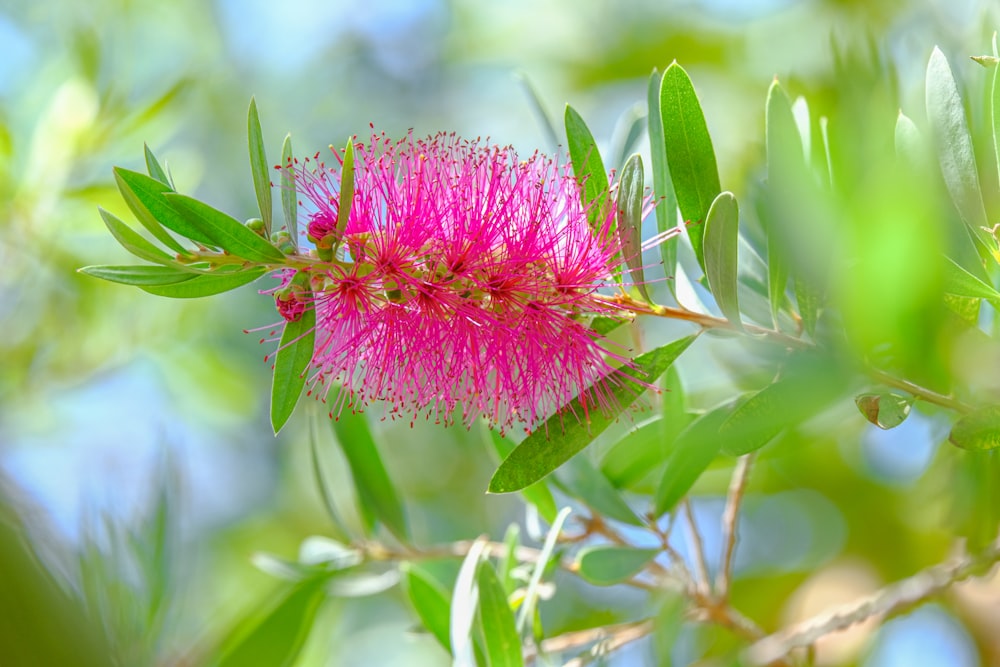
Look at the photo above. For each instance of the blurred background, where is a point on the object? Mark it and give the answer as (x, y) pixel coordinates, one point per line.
(127, 419)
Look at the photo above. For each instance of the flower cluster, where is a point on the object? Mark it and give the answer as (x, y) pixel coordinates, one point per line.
(460, 285)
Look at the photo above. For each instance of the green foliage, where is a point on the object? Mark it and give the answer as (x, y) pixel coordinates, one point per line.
(721, 242)
(630, 200)
(295, 351)
(588, 167)
(609, 565)
(259, 167)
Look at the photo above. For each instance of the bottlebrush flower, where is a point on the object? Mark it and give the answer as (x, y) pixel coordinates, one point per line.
(465, 272)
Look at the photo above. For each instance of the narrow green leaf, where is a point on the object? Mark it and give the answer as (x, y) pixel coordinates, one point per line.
(689, 151)
(956, 155)
(588, 168)
(629, 127)
(224, 230)
(555, 442)
(604, 325)
(538, 494)
(696, 446)
(630, 191)
(295, 351)
(146, 197)
(807, 386)
(885, 410)
(995, 107)
(140, 274)
(503, 646)
(508, 561)
(909, 144)
(722, 228)
(808, 299)
(430, 601)
(288, 198)
(154, 168)
(258, 166)
(960, 282)
(663, 189)
(978, 431)
(527, 610)
(133, 242)
(206, 285)
(609, 565)
(548, 127)
(464, 598)
(346, 200)
(326, 487)
(275, 636)
(375, 488)
(785, 158)
(591, 486)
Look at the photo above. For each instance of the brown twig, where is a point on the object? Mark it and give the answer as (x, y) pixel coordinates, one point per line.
(885, 601)
(607, 638)
(701, 564)
(737, 487)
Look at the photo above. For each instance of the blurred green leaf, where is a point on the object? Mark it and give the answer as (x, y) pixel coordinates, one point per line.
(663, 189)
(503, 646)
(323, 485)
(294, 353)
(630, 191)
(274, 636)
(375, 490)
(206, 285)
(508, 561)
(590, 485)
(144, 197)
(464, 598)
(288, 197)
(696, 446)
(975, 483)
(528, 605)
(956, 155)
(133, 242)
(588, 168)
(538, 454)
(885, 410)
(960, 282)
(154, 168)
(909, 143)
(609, 565)
(667, 626)
(784, 156)
(140, 274)
(978, 431)
(722, 228)
(630, 126)
(538, 494)
(259, 167)
(548, 127)
(225, 231)
(689, 151)
(994, 93)
(430, 601)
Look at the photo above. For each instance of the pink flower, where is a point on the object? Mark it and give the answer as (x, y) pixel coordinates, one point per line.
(463, 277)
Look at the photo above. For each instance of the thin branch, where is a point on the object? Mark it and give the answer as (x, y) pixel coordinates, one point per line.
(921, 393)
(701, 564)
(737, 487)
(608, 638)
(885, 601)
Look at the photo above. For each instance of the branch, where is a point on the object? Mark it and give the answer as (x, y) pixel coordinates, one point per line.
(737, 487)
(608, 638)
(886, 601)
(701, 564)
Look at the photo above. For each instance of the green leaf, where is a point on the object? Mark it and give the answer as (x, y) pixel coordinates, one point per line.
(346, 200)
(430, 601)
(785, 158)
(722, 228)
(538, 455)
(133, 242)
(295, 351)
(375, 490)
(995, 107)
(146, 197)
(588, 168)
(696, 446)
(630, 220)
(548, 127)
(258, 166)
(224, 230)
(154, 168)
(808, 385)
(960, 282)
(288, 197)
(206, 285)
(325, 486)
(591, 486)
(275, 635)
(141, 274)
(609, 565)
(808, 299)
(527, 610)
(663, 189)
(503, 646)
(909, 144)
(954, 146)
(885, 410)
(604, 325)
(689, 151)
(464, 599)
(538, 494)
(978, 431)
